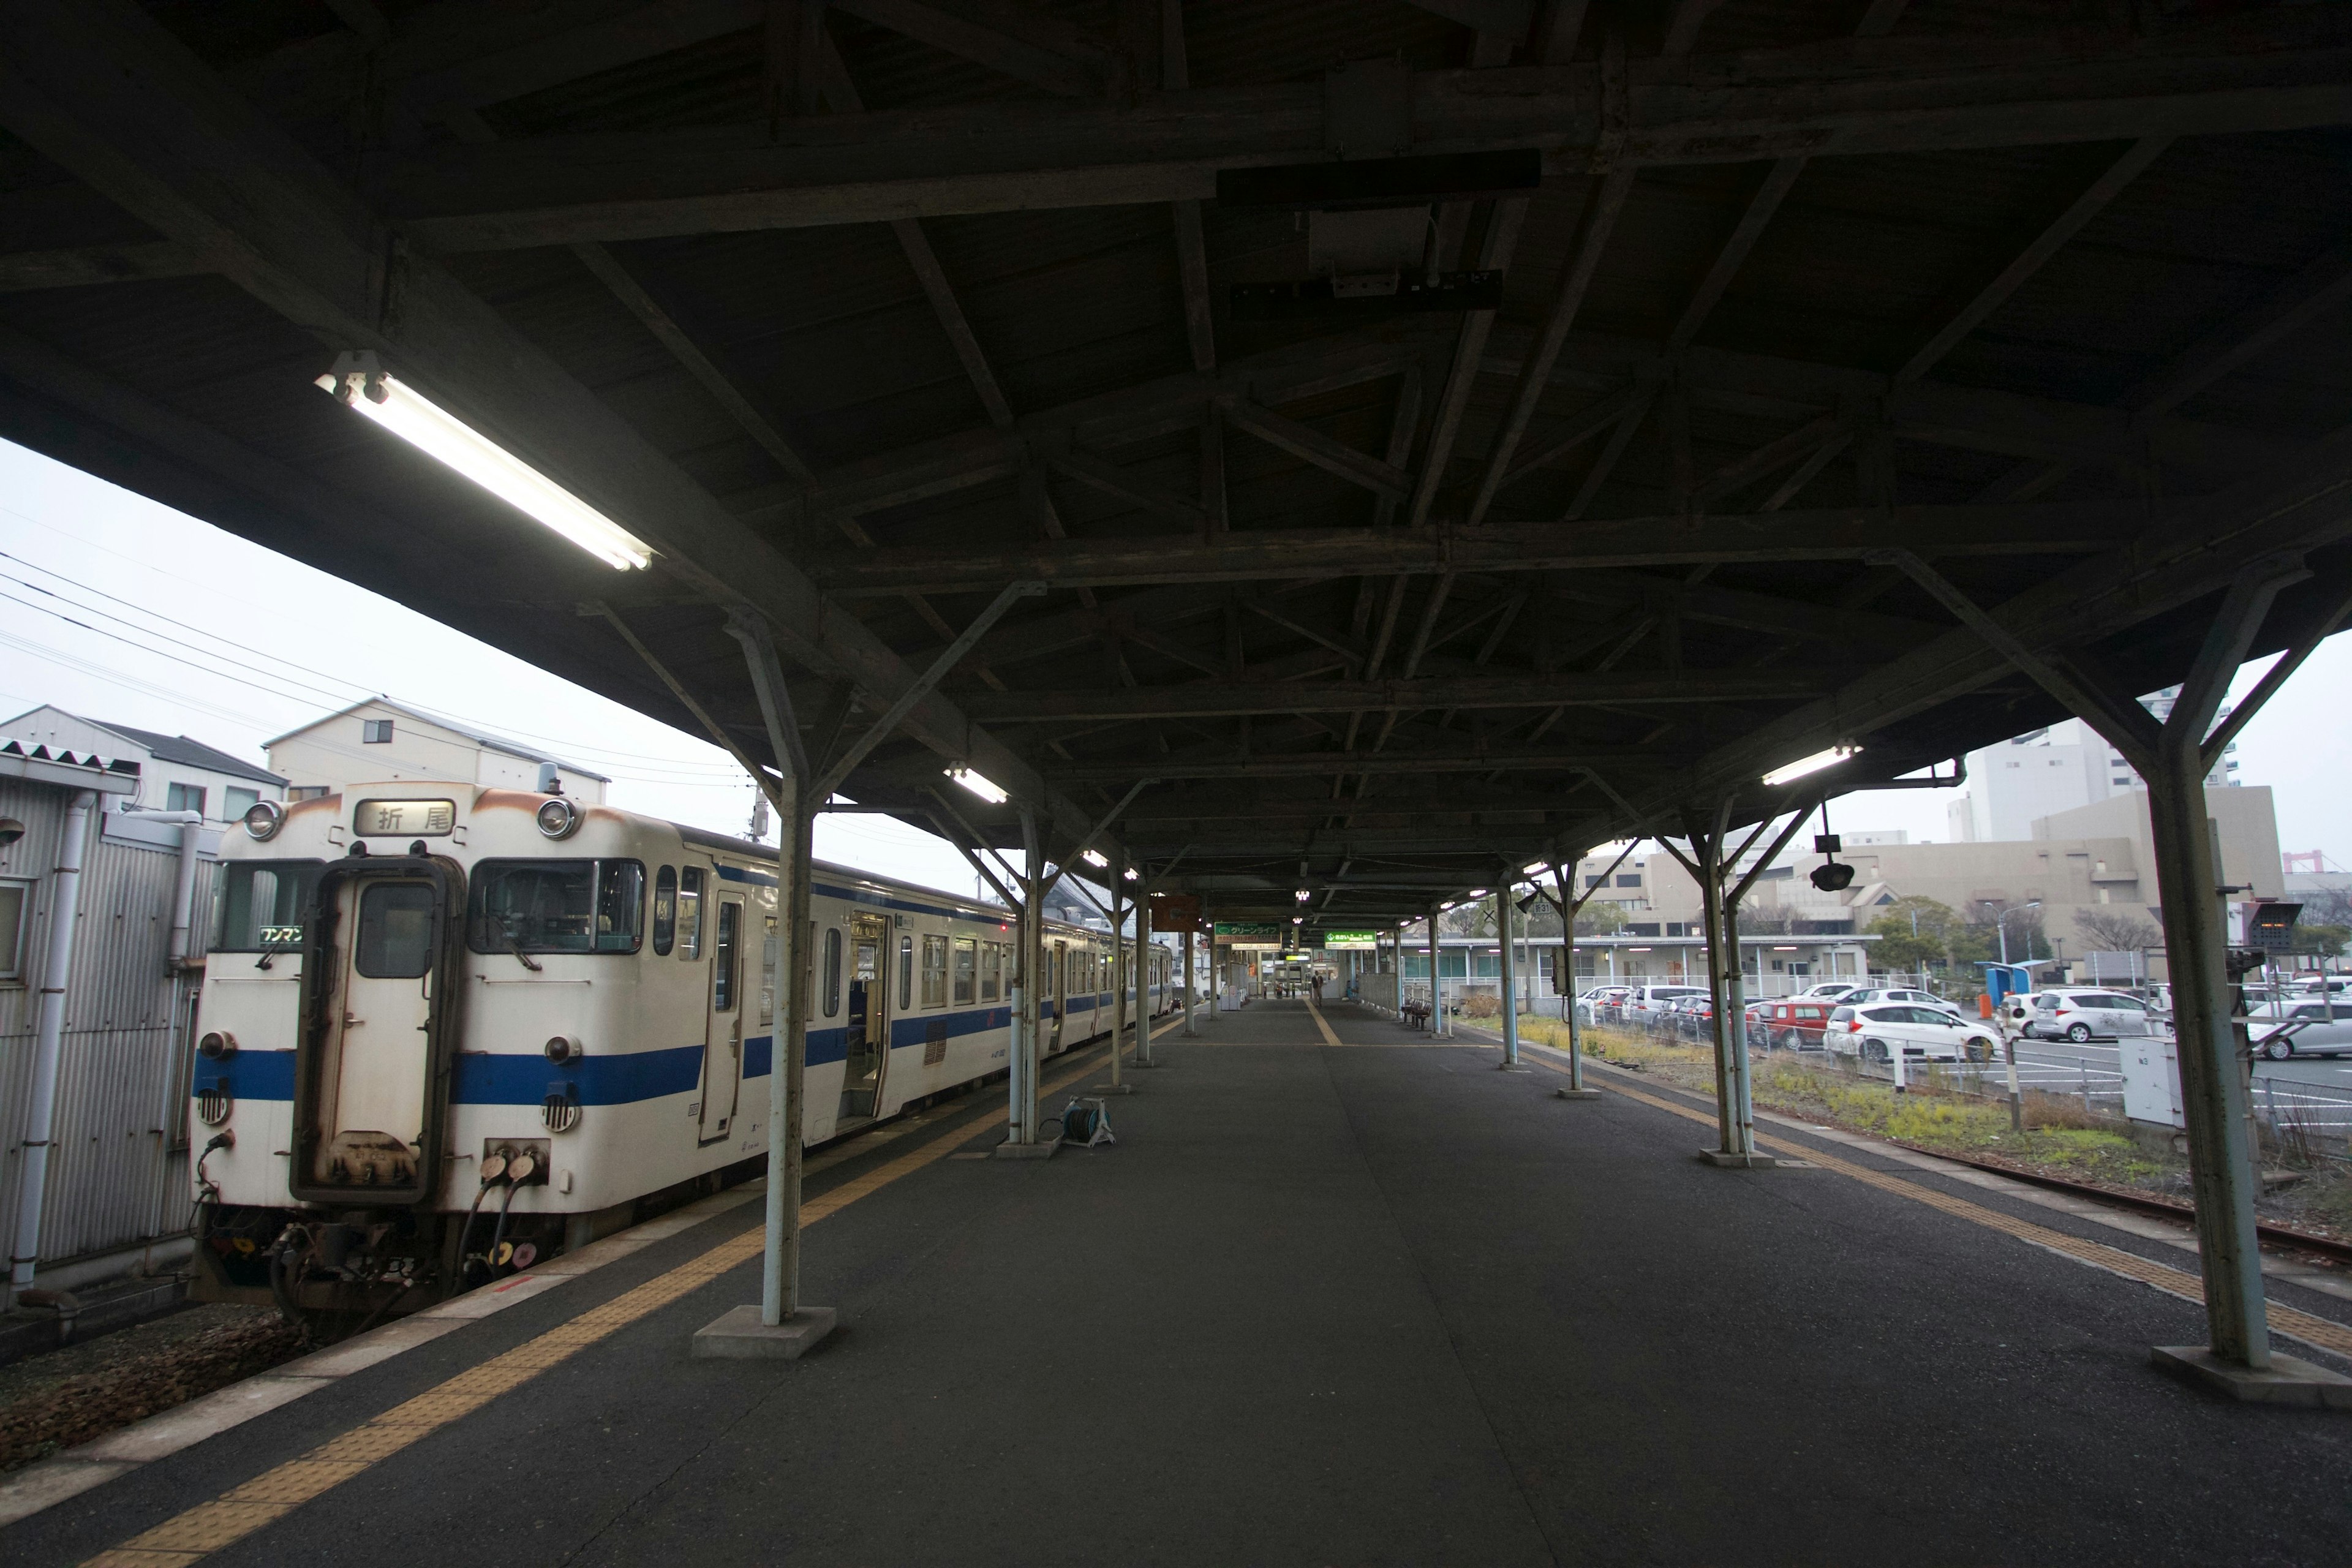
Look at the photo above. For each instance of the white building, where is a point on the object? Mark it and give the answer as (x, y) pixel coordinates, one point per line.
(176, 773)
(2046, 772)
(380, 740)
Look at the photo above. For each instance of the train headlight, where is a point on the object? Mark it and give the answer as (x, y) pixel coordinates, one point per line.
(263, 818)
(217, 1045)
(563, 1049)
(558, 817)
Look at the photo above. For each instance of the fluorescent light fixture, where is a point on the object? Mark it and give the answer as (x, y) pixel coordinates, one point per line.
(442, 436)
(1813, 764)
(1133, 875)
(1539, 868)
(1784, 950)
(1302, 895)
(981, 786)
(1297, 920)
(1095, 858)
(1478, 892)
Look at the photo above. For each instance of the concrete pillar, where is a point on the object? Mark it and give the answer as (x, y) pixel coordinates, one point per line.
(780, 1292)
(2213, 1080)
(1737, 1137)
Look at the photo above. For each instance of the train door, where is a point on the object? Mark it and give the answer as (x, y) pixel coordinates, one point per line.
(869, 1043)
(722, 1053)
(371, 1074)
(1058, 984)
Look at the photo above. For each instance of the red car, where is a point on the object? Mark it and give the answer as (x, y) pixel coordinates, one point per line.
(1796, 1026)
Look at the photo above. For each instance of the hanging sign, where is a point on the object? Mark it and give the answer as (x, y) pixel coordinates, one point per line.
(1176, 912)
(1357, 941)
(1249, 930)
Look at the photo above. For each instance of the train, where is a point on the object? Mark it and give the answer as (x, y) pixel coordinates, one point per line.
(447, 1032)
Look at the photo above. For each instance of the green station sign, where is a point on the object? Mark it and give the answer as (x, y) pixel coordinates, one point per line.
(1248, 931)
(1361, 939)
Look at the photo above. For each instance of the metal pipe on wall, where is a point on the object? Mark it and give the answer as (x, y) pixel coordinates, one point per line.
(183, 891)
(48, 1045)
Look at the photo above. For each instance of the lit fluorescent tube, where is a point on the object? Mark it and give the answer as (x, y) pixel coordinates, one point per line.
(1813, 764)
(980, 785)
(440, 435)
(1095, 858)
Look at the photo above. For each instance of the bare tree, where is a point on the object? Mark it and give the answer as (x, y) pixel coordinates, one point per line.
(2116, 931)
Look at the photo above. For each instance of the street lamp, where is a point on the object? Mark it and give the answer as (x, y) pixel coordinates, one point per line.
(2001, 925)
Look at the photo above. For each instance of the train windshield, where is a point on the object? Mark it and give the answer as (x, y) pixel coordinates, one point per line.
(262, 906)
(556, 906)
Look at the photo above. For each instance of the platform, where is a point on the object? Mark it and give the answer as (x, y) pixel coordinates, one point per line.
(1339, 1295)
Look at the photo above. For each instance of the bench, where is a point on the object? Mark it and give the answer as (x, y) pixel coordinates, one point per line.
(1416, 1014)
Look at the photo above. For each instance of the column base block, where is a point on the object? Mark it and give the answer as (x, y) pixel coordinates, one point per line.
(741, 1336)
(1716, 1157)
(1577, 1093)
(1009, 1149)
(2288, 1380)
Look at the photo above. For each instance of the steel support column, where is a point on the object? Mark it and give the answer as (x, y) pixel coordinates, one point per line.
(1436, 1009)
(1143, 1057)
(1507, 970)
(1118, 971)
(1190, 1032)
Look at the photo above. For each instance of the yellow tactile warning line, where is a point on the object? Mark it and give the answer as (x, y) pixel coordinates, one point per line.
(273, 1494)
(2288, 1321)
(1336, 1043)
(1317, 1014)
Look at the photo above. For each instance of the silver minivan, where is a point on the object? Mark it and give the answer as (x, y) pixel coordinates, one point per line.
(2082, 1014)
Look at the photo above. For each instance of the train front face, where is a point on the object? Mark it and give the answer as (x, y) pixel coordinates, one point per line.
(427, 1041)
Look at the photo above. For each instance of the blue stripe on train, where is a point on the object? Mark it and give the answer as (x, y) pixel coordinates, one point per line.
(487, 1078)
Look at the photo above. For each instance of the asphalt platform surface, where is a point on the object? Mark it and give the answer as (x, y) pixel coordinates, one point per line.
(1373, 1304)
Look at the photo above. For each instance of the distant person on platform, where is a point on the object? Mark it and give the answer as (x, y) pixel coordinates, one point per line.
(1318, 981)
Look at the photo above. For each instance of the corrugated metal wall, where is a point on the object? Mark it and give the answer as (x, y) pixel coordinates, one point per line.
(119, 1175)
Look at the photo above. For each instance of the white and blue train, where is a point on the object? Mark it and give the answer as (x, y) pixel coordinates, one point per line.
(446, 1031)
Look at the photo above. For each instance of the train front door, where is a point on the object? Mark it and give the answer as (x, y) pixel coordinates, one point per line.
(722, 1053)
(377, 1060)
(868, 1045)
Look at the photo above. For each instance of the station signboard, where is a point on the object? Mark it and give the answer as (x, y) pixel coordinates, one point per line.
(1246, 936)
(1355, 941)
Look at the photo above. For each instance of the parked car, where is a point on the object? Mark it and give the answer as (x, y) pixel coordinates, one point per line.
(2082, 1014)
(1875, 1031)
(1794, 1025)
(1829, 989)
(2310, 1026)
(1602, 1004)
(1642, 1001)
(1917, 998)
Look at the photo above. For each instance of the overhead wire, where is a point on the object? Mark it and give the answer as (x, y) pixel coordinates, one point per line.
(674, 764)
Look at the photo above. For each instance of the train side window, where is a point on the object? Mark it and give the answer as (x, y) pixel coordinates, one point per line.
(771, 949)
(690, 912)
(991, 970)
(722, 972)
(906, 973)
(832, 970)
(664, 910)
(967, 969)
(935, 972)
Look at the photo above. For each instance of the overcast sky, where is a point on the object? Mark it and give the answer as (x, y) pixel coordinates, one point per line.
(188, 630)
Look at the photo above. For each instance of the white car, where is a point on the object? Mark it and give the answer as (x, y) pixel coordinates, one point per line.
(1874, 1031)
(2082, 1014)
(1829, 989)
(1645, 1000)
(2322, 1027)
(1917, 999)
